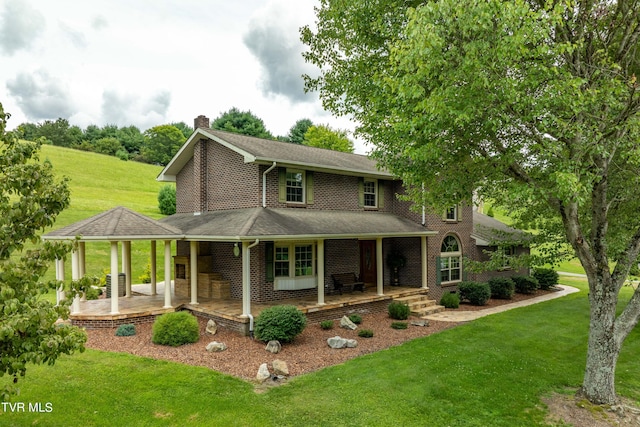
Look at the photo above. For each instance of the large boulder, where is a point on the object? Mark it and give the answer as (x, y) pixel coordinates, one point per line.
(338, 342)
(273, 347)
(212, 327)
(216, 346)
(280, 367)
(263, 373)
(346, 323)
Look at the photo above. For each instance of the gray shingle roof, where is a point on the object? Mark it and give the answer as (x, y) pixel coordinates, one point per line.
(267, 223)
(488, 230)
(285, 154)
(118, 223)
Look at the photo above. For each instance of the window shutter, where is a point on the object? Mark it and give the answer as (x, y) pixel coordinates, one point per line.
(309, 185)
(380, 194)
(361, 192)
(268, 261)
(438, 273)
(282, 185)
(459, 209)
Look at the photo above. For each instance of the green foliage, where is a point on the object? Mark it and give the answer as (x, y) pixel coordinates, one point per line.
(355, 318)
(450, 300)
(108, 146)
(281, 323)
(474, 292)
(242, 122)
(297, 131)
(122, 155)
(126, 330)
(502, 288)
(365, 333)
(525, 284)
(30, 200)
(167, 199)
(326, 324)
(323, 136)
(184, 128)
(490, 212)
(175, 329)
(399, 325)
(145, 277)
(547, 277)
(161, 143)
(399, 310)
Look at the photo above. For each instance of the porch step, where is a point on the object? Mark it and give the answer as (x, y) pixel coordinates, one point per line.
(421, 305)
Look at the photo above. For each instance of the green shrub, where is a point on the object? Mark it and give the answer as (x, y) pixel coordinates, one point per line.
(355, 318)
(502, 288)
(547, 277)
(525, 284)
(365, 333)
(399, 325)
(175, 329)
(326, 324)
(167, 199)
(280, 323)
(399, 310)
(126, 330)
(474, 292)
(450, 300)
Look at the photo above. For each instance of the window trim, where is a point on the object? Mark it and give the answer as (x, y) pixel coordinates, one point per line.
(508, 252)
(375, 193)
(450, 255)
(291, 248)
(453, 209)
(304, 186)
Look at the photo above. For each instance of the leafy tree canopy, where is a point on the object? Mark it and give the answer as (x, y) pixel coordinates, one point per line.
(532, 104)
(161, 143)
(297, 131)
(322, 136)
(243, 122)
(184, 128)
(30, 200)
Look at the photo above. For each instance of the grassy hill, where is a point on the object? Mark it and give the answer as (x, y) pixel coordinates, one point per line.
(98, 183)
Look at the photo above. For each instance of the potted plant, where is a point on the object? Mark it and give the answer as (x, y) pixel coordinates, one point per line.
(395, 261)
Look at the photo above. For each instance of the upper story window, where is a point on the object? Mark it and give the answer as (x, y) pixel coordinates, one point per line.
(370, 194)
(295, 186)
(452, 213)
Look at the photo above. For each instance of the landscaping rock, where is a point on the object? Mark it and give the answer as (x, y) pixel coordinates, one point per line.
(280, 367)
(422, 322)
(263, 373)
(338, 342)
(346, 323)
(216, 346)
(273, 347)
(212, 327)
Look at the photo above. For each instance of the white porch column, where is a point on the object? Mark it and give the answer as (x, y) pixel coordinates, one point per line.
(154, 268)
(75, 275)
(423, 260)
(60, 295)
(379, 266)
(320, 257)
(193, 257)
(246, 280)
(82, 262)
(167, 274)
(126, 266)
(114, 278)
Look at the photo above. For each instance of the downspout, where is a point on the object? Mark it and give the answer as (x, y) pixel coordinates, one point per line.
(249, 247)
(424, 219)
(264, 184)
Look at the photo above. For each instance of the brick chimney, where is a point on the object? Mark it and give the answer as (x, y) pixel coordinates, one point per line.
(201, 122)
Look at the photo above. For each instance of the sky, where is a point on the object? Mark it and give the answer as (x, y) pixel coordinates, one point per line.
(152, 62)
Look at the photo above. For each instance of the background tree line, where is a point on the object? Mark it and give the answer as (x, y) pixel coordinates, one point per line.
(157, 145)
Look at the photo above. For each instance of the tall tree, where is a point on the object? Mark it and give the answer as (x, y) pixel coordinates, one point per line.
(322, 136)
(30, 200)
(184, 128)
(131, 139)
(161, 143)
(298, 130)
(534, 104)
(244, 122)
(60, 133)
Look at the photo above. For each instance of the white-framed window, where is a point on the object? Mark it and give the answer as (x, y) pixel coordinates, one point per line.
(370, 189)
(450, 260)
(295, 185)
(508, 252)
(302, 263)
(452, 213)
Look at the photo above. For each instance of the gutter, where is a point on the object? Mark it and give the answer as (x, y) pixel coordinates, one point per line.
(264, 184)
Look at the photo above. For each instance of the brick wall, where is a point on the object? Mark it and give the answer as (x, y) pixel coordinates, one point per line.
(184, 189)
(231, 183)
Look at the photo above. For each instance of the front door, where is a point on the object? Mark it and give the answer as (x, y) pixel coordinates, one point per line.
(368, 270)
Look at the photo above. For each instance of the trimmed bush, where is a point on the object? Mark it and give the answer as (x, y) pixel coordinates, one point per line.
(167, 199)
(280, 323)
(450, 300)
(547, 277)
(399, 310)
(399, 325)
(175, 329)
(525, 284)
(502, 288)
(474, 292)
(326, 324)
(355, 318)
(365, 333)
(126, 330)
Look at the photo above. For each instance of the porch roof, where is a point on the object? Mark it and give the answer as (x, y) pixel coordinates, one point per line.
(292, 224)
(488, 231)
(118, 223)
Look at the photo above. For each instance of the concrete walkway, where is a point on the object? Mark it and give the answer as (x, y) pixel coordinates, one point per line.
(466, 316)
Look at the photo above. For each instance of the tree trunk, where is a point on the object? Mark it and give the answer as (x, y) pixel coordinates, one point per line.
(603, 347)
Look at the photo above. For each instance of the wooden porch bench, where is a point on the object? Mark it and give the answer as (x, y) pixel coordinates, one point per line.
(347, 281)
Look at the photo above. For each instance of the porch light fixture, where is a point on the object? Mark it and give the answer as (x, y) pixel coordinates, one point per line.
(236, 250)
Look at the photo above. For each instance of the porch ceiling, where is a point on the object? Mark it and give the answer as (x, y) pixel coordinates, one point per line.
(290, 224)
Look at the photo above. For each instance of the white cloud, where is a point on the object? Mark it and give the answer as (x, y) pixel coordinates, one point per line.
(20, 26)
(41, 96)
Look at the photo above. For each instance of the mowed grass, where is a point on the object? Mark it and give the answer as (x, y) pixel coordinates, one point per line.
(99, 183)
(489, 372)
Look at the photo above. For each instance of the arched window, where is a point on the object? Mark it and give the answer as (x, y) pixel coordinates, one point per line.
(450, 260)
